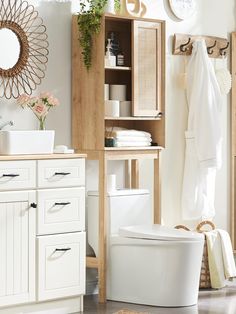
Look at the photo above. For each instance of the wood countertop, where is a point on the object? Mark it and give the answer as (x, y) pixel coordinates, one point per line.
(41, 157)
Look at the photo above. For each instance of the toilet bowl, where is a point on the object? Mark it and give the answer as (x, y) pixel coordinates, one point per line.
(146, 264)
(154, 265)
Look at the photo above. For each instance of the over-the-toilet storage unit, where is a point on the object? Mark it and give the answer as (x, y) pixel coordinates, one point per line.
(141, 40)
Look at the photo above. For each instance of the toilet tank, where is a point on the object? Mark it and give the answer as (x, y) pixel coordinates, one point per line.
(126, 207)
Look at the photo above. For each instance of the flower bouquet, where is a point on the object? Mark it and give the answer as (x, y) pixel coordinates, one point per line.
(40, 105)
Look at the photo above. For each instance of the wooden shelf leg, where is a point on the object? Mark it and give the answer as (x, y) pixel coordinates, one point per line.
(156, 193)
(135, 174)
(127, 174)
(102, 228)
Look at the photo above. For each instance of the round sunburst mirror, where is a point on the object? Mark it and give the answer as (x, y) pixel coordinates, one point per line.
(24, 48)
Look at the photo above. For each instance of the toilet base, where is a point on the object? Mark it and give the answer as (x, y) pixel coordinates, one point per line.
(153, 272)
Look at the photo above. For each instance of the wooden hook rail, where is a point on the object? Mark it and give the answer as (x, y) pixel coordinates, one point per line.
(217, 47)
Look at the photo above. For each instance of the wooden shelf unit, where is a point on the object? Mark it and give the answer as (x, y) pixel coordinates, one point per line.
(148, 100)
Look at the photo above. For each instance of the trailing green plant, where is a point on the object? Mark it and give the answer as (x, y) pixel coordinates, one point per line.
(89, 24)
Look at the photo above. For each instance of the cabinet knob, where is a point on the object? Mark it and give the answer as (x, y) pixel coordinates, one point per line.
(33, 205)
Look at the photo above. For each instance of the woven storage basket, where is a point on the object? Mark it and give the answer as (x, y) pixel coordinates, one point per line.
(205, 280)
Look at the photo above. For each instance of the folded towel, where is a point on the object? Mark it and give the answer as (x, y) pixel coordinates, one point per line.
(116, 131)
(133, 138)
(132, 144)
(123, 139)
(215, 259)
(228, 256)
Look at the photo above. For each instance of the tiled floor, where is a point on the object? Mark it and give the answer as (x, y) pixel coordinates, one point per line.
(210, 302)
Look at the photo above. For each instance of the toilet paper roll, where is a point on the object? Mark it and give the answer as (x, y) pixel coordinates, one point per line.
(125, 109)
(112, 108)
(106, 91)
(118, 92)
(111, 182)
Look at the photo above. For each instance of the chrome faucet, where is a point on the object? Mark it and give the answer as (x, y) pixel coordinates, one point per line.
(11, 123)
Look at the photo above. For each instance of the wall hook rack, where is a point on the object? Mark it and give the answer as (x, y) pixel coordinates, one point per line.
(182, 45)
(210, 50)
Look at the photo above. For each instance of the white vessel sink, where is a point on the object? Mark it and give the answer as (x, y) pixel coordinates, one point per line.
(26, 142)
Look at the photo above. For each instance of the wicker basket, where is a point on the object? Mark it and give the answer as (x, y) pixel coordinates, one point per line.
(205, 280)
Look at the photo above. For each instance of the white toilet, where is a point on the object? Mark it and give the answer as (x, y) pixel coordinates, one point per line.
(147, 264)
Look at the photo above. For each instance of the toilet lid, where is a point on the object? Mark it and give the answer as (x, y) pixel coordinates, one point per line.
(158, 232)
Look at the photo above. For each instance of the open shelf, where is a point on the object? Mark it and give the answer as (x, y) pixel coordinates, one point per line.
(118, 68)
(134, 148)
(132, 118)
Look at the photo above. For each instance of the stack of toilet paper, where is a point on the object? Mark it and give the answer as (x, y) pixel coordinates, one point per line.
(116, 104)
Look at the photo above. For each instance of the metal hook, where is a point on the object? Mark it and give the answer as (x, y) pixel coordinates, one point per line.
(183, 47)
(222, 50)
(210, 50)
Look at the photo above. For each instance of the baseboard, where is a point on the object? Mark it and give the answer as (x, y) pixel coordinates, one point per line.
(62, 306)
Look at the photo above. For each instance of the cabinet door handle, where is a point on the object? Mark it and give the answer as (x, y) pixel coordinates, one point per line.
(33, 205)
(61, 173)
(10, 175)
(63, 250)
(62, 204)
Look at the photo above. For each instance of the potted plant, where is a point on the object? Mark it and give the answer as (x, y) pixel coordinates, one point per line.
(89, 23)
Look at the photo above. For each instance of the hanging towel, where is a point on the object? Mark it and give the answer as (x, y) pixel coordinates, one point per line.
(228, 256)
(215, 259)
(203, 136)
(220, 257)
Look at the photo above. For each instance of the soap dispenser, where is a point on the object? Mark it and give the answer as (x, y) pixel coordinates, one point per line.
(110, 58)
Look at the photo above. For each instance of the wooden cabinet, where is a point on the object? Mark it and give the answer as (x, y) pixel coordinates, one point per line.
(45, 205)
(17, 246)
(142, 42)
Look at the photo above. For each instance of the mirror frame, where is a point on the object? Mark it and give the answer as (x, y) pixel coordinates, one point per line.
(22, 19)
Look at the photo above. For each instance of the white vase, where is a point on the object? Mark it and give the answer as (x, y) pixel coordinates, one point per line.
(110, 7)
(134, 8)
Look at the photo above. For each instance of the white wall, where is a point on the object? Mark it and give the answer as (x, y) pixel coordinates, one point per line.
(57, 18)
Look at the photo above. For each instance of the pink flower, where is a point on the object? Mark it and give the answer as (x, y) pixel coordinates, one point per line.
(45, 95)
(23, 100)
(40, 109)
(53, 101)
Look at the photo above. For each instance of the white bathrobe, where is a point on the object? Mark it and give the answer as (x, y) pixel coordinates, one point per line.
(203, 136)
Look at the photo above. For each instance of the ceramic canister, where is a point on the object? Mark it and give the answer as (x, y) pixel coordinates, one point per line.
(125, 109)
(118, 92)
(106, 91)
(112, 108)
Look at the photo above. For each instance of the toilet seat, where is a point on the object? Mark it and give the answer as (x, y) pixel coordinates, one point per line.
(159, 232)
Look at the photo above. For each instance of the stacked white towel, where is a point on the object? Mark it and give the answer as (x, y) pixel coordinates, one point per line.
(130, 138)
(220, 257)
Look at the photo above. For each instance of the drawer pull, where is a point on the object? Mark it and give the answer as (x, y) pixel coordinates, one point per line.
(33, 205)
(10, 175)
(62, 204)
(63, 250)
(61, 173)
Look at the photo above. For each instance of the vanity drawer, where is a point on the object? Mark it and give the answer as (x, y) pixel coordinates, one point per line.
(61, 210)
(17, 175)
(61, 173)
(61, 266)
